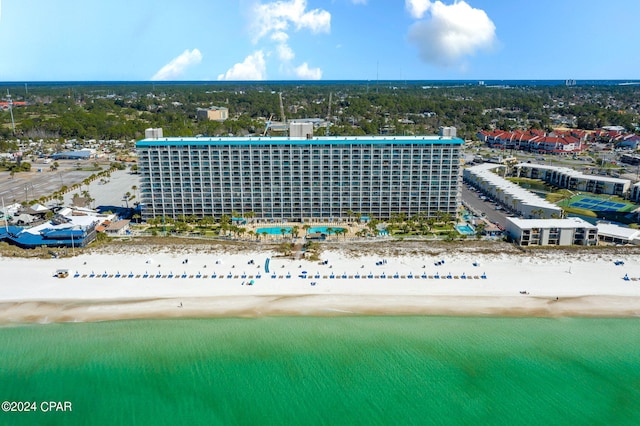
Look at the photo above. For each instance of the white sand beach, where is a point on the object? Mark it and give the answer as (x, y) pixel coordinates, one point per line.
(359, 279)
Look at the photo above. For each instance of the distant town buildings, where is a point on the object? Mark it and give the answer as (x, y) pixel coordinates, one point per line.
(83, 154)
(213, 113)
(535, 141)
(299, 179)
(448, 132)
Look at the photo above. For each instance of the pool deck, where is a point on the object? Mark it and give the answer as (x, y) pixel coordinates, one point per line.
(350, 227)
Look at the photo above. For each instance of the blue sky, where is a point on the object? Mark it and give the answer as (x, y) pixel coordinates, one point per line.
(45, 40)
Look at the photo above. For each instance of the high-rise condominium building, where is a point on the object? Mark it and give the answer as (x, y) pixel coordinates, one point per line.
(295, 179)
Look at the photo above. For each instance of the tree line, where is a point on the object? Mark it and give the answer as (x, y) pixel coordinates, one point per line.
(124, 111)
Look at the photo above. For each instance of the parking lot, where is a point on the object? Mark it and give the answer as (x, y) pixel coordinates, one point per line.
(484, 208)
(26, 186)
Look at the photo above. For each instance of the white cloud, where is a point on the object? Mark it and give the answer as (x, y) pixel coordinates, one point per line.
(451, 33)
(252, 68)
(178, 65)
(274, 22)
(305, 73)
(417, 8)
(278, 16)
(285, 53)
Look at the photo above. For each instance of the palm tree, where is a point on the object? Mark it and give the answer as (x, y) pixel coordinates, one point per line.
(295, 231)
(350, 214)
(330, 231)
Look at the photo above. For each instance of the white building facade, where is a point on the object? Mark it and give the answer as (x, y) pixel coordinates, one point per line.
(510, 195)
(552, 232)
(282, 178)
(564, 177)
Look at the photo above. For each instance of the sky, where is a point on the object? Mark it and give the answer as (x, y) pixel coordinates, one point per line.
(140, 40)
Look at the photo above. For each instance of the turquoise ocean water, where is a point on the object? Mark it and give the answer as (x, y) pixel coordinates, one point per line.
(339, 370)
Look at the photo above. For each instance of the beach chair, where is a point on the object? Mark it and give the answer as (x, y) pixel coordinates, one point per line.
(76, 275)
(273, 276)
(198, 275)
(317, 276)
(205, 276)
(170, 275)
(332, 276)
(117, 274)
(145, 275)
(475, 277)
(383, 276)
(463, 276)
(436, 276)
(190, 276)
(483, 276)
(344, 276)
(214, 275)
(410, 276)
(243, 276)
(370, 276)
(358, 277)
(184, 275)
(396, 276)
(258, 276)
(288, 276)
(130, 275)
(84, 275)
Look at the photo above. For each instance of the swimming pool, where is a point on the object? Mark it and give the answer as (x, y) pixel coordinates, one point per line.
(465, 229)
(276, 230)
(327, 230)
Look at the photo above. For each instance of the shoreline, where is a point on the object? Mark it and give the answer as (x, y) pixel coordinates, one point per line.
(73, 311)
(401, 278)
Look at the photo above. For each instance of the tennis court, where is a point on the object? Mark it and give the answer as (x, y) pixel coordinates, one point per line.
(599, 204)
